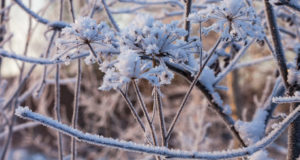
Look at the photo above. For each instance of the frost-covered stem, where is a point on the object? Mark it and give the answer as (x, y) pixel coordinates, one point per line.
(195, 80)
(72, 10)
(159, 105)
(228, 121)
(133, 110)
(274, 31)
(57, 110)
(162, 151)
(76, 108)
(43, 81)
(187, 24)
(294, 129)
(41, 61)
(230, 67)
(94, 53)
(146, 113)
(110, 17)
(269, 106)
(57, 93)
(294, 135)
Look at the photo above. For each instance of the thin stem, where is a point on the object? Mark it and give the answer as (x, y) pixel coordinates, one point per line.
(72, 10)
(75, 109)
(57, 94)
(159, 105)
(133, 110)
(26, 43)
(146, 113)
(187, 24)
(111, 18)
(43, 80)
(94, 53)
(190, 90)
(279, 52)
(57, 110)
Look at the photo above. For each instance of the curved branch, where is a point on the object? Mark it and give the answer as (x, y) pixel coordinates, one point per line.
(162, 151)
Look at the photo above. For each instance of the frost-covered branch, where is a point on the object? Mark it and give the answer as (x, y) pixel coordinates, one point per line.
(41, 61)
(279, 52)
(289, 99)
(130, 146)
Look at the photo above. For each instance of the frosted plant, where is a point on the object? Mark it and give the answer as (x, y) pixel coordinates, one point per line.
(234, 20)
(157, 40)
(86, 35)
(253, 131)
(129, 66)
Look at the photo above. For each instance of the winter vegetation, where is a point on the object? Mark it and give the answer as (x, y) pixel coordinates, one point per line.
(150, 79)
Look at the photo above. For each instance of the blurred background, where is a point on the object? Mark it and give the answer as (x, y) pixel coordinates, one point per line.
(106, 113)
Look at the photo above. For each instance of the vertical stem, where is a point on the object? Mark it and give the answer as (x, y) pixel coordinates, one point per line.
(276, 39)
(75, 109)
(72, 10)
(294, 128)
(146, 113)
(159, 105)
(57, 96)
(57, 111)
(187, 24)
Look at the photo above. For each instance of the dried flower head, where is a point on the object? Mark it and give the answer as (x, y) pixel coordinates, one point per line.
(234, 20)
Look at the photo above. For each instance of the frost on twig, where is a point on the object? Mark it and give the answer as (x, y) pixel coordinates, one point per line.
(130, 146)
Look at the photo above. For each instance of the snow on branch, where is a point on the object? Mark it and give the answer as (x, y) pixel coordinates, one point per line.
(25, 112)
(42, 61)
(290, 99)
